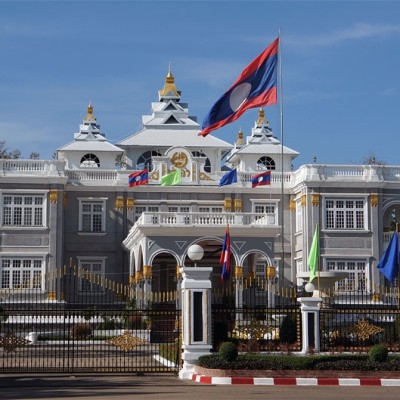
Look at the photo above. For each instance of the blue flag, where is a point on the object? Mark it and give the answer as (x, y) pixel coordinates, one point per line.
(229, 178)
(389, 263)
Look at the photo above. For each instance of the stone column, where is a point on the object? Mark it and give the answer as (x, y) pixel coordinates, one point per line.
(310, 310)
(196, 316)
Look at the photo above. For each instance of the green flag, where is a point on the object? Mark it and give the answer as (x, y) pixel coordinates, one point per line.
(173, 178)
(314, 255)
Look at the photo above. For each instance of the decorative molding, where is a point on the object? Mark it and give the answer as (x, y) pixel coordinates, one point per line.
(130, 203)
(119, 203)
(239, 271)
(238, 205)
(205, 177)
(315, 200)
(374, 199)
(303, 200)
(228, 204)
(147, 271)
(53, 196)
(292, 206)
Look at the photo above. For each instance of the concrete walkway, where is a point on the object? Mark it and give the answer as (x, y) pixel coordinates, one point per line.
(124, 387)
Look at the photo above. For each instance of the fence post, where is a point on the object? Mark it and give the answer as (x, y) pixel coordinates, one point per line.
(196, 317)
(310, 310)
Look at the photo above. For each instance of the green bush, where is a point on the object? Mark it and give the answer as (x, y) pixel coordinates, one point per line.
(228, 351)
(378, 353)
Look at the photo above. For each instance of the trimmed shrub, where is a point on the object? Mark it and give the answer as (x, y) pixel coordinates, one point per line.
(378, 353)
(228, 351)
(81, 331)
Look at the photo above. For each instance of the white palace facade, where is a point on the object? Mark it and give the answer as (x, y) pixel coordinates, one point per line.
(80, 209)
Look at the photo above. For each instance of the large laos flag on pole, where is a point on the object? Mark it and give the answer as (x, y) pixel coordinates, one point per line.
(255, 87)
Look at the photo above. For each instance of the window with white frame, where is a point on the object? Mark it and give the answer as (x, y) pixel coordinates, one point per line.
(266, 211)
(21, 273)
(139, 210)
(356, 280)
(181, 209)
(92, 215)
(212, 215)
(92, 270)
(23, 210)
(345, 214)
(299, 217)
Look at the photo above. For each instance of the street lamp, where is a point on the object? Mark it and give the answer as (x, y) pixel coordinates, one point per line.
(195, 253)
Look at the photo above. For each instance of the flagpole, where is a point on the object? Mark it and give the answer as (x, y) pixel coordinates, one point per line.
(282, 169)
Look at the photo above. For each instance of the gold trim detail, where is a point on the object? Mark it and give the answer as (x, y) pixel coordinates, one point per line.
(238, 271)
(179, 159)
(204, 177)
(155, 176)
(130, 203)
(363, 329)
(10, 342)
(147, 271)
(65, 200)
(131, 279)
(238, 205)
(228, 204)
(374, 199)
(53, 196)
(315, 199)
(51, 295)
(292, 206)
(126, 341)
(270, 272)
(119, 203)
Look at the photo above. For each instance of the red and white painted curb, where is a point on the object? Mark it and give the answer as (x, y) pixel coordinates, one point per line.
(237, 380)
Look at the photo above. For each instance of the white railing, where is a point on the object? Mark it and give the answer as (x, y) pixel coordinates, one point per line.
(30, 167)
(205, 219)
(93, 175)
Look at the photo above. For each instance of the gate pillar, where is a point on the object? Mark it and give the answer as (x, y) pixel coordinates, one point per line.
(196, 317)
(310, 310)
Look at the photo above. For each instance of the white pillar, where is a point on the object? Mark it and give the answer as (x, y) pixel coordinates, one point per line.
(196, 317)
(310, 309)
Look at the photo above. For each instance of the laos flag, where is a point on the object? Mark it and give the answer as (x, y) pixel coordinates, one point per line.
(225, 258)
(139, 178)
(255, 87)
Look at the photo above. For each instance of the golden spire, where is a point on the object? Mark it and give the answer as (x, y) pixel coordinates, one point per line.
(89, 115)
(169, 84)
(261, 118)
(240, 141)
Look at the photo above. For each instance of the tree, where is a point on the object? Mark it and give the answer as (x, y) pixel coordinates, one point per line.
(8, 154)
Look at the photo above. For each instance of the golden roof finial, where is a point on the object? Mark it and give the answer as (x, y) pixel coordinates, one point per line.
(240, 141)
(169, 84)
(89, 114)
(261, 117)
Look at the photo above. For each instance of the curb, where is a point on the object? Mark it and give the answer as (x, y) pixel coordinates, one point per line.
(237, 380)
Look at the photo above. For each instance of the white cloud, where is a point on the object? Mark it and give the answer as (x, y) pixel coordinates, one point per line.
(358, 31)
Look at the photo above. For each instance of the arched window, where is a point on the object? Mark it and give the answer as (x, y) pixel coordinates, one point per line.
(207, 165)
(145, 160)
(90, 161)
(266, 162)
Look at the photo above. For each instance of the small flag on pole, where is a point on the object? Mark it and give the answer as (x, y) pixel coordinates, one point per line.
(225, 258)
(229, 178)
(139, 178)
(261, 179)
(313, 256)
(173, 178)
(389, 263)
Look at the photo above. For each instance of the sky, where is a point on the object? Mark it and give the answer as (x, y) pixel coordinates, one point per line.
(340, 92)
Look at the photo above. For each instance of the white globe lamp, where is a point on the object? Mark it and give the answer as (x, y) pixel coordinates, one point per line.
(195, 253)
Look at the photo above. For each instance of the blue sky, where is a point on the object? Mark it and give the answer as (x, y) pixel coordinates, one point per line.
(340, 69)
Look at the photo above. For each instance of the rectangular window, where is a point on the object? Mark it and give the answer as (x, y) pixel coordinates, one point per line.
(89, 278)
(356, 280)
(139, 210)
(344, 214)
(299, 217)
(25, 273)
(92, 215)
(23, 210)
(265, 213)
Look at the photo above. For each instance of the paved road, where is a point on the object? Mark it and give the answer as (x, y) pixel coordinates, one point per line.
(114, 387)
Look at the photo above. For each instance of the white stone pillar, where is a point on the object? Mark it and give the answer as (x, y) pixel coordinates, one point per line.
(196, 316)
(310, 310)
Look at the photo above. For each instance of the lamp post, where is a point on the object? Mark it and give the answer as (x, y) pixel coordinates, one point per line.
(270, 273)
(195, 253)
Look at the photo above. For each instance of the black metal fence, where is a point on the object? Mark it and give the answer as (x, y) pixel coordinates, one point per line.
(99, 329)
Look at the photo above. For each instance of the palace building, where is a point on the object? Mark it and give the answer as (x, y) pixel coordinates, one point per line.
(80, 210)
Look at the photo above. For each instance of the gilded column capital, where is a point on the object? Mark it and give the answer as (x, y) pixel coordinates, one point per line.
(374, 198)
(147, 271)
(315, 200)
(53, 196)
